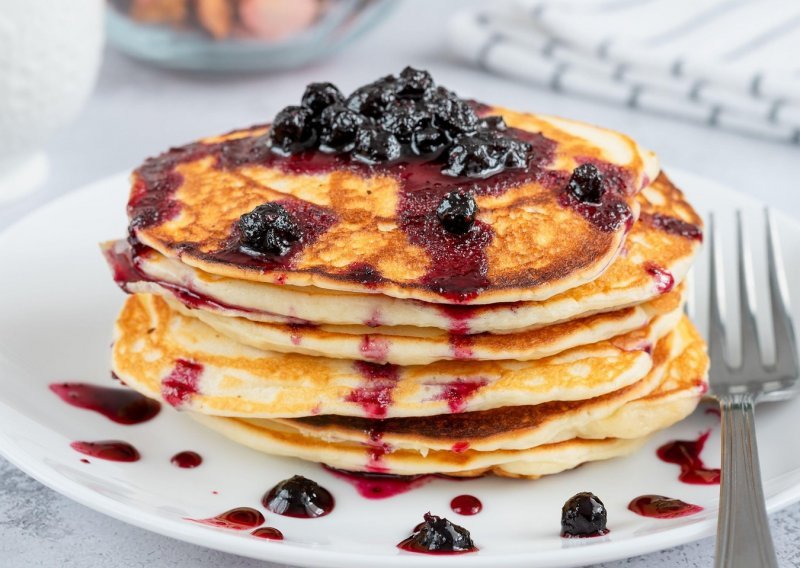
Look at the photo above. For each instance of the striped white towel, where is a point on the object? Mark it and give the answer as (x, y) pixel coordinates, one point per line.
(729, 63)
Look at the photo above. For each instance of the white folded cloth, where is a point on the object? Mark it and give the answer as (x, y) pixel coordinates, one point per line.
(729, 63)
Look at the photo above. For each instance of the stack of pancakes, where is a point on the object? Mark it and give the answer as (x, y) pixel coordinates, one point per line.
(544, 338)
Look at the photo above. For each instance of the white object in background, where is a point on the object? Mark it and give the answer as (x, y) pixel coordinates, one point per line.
(49, 54)
(725, 63)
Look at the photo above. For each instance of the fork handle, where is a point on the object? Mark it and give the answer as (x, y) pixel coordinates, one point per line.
(743, 537)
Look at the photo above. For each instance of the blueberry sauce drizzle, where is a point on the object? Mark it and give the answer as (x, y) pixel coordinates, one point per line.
(610, 211)
(461, 346)
(459, 318)
(663, 278)
(375, 396)
(457, 393)
(364, 273)
(123, 406)
(239, 519)
(186, 460)
(466, 505)
(377, 449)
(673, 226)
(125, 260)
(374, 348)
(268, 533)
(182, 382)
(373, 486)
(686, 454)
(111, 450)
(660, 507)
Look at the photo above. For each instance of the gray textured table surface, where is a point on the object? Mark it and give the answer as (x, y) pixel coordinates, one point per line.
(137, 111)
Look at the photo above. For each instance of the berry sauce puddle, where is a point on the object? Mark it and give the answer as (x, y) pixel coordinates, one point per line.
(686, 454)
(123, 406)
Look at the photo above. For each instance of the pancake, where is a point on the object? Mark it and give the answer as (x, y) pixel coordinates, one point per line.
(420, 346)
(681, 382)
(676, 381)
(373, 229)
(186, 363)
(659, 250)
(530, 463)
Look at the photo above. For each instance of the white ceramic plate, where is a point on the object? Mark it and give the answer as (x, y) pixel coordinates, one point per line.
(57, 305)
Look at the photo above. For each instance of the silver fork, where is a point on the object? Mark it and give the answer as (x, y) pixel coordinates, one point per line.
(743, 537)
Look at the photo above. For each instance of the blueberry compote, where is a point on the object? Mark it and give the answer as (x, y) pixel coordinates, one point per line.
(660, 507)
(182, 382)
(111, 450)
(186, 460)
(299, 497)
(239, 519)
(269, 228)
(466, 505)
(444, 152)
(457, 211)
(123, 406)
(268, 533)
(597, 191)
(375, 394)
(674, 226)
(686, 454)
(437, 535)
(583, 515)
(372, 485)
(398, 117)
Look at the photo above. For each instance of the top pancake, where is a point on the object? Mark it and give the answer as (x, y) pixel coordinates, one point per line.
(660, 247)
(374, 229)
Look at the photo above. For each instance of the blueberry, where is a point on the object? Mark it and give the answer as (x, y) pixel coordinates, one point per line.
(583, 515)
(371, 100)
(319, 96)
(403, 118)
(437, 534)
(413, 83)
(496, 123)
(586, 184)
(269, 229)
(468, 157)
(457, 211)
(338, 128)
(374, 145)
(377, 101)
(485, 154)
(429, 141)
(452, 113)
(298, 497)
(610, 215)
(518, 153)
(293, 131)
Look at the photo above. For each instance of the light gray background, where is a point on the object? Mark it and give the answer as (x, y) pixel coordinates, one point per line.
(137, 111)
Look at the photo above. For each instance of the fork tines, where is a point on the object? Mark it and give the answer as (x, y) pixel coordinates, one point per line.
(752, 374)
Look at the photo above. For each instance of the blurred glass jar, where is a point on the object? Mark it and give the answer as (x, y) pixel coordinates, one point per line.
(238, 35)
